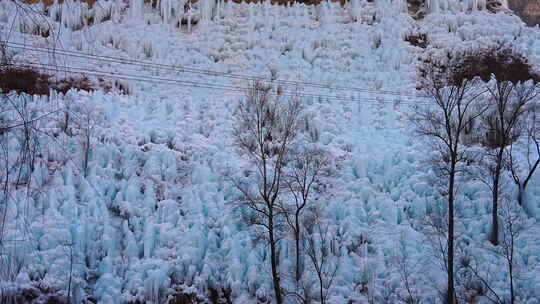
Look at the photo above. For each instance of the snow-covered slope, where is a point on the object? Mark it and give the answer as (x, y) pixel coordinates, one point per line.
(154, 215)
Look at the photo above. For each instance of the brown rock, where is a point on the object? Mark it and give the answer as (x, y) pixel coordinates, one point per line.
(528, 10)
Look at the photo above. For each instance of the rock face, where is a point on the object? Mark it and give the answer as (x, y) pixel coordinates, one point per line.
(528, 10)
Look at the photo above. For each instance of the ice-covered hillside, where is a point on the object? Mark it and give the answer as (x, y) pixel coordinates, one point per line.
(153, 217)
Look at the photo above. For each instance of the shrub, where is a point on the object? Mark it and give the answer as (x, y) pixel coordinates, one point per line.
(416, 8)
(79, 83)
(419, 40)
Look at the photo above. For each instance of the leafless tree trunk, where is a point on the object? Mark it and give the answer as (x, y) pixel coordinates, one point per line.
(68, 248)
(264, 132)
(323, 250)
(514, 224)
(302, 180)
(86, 118)
(490, 293)
(454, 107)
(509, 102)
(19, 160)
(512, 85)
(403, 263)
(531, 127)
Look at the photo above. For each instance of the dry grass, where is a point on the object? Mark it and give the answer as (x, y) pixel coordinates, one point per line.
(33, 82)
(24, 80)
(79, 83)
(502, 62)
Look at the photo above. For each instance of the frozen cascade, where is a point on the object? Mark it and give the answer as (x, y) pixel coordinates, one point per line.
(439, 6)
(156, 213)
(166, 7)
(206, 7)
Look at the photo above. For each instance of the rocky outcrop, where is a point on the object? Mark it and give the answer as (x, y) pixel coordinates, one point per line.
(528, 10)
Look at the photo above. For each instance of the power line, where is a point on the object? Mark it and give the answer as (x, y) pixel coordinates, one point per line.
(7, 128)
(202, 71)
(187, 83)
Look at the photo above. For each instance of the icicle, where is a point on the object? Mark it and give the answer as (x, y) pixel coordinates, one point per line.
(64, 14)
(218, 9)
(481, 5)
(206, 11)
(165, 7)
(318, 12)
(103, 11)
(136, 10)
(132, 250)
(229, 9)
(330, 12)
(149, 238)
(403, 4)
(433, 6)
(265, 12)
(202, 11)
(354, 9)
(189, 19)
(466, 5)
(250, 15)
(445, 5)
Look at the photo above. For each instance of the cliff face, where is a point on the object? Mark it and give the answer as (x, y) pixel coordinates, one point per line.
(528, 10)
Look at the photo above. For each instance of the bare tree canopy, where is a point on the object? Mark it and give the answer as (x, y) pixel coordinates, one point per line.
(265, 130)
(456, 104)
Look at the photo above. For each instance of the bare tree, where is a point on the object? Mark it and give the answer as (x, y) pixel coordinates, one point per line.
(67, 246)
(19, 153)
(19, 122)
(264, 132)
(12, 263)
(402, 261)
(513, 86)
(522, 173)
(303, 179)
(435, 228)
(514, 223)
(19, 146)
(324, 250)
(87, 118)
(443, 123)
(509, 104)
(483, 284)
